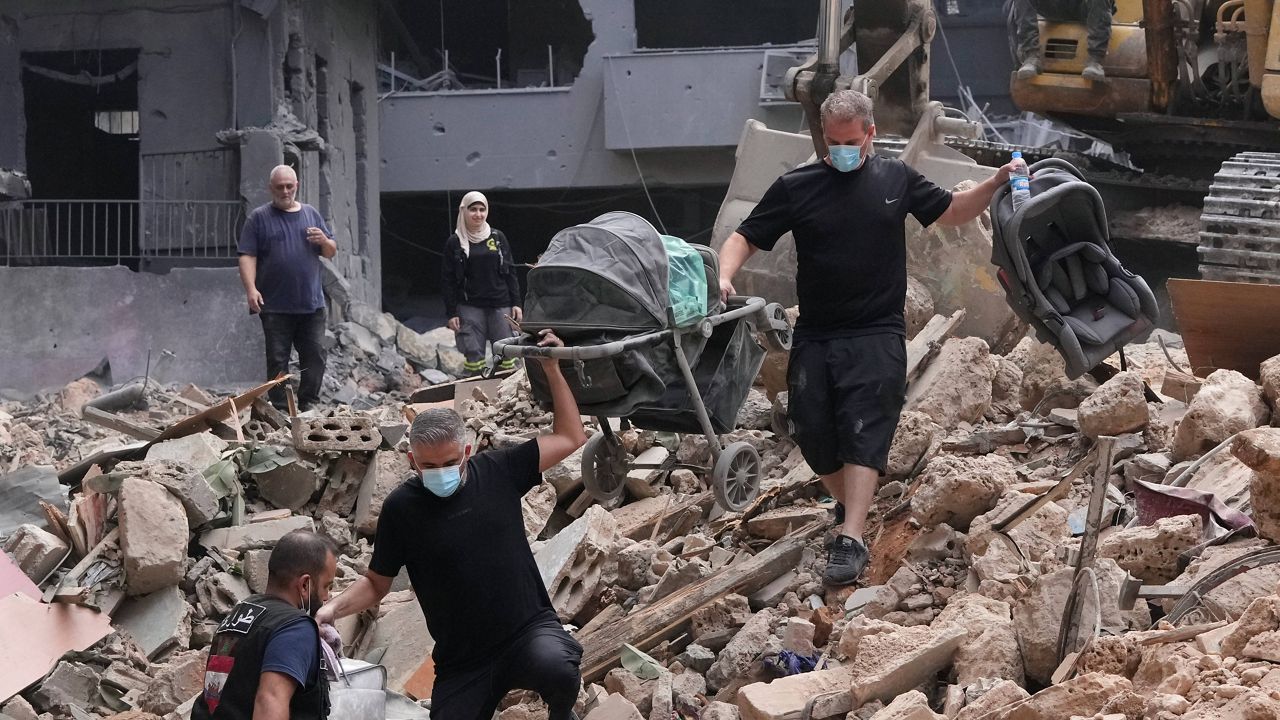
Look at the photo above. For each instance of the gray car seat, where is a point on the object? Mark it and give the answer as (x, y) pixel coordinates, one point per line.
(1058, 271)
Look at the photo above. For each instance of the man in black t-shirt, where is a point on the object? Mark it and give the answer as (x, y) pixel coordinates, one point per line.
(847, 376)
(456, 525)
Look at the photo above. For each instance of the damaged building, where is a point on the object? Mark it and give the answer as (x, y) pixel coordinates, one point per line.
(560, 110)
(146, 132)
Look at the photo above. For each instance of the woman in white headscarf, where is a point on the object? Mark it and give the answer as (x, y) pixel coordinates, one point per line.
(479, 283)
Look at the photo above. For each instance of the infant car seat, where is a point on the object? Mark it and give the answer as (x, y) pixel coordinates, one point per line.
(1058, 271)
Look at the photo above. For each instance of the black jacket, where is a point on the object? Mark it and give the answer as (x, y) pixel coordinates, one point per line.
(456, 288)
(235, 664)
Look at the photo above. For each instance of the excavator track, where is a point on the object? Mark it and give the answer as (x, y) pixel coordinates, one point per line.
(1240, 225)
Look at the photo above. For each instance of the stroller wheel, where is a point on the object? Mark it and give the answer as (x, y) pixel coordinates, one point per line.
(777, 333)
(603, 470)
(735, 479)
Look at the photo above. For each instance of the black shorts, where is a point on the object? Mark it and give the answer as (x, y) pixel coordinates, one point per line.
(845, 399)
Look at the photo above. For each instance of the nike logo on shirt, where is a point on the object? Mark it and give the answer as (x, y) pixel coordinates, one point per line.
(887, 201)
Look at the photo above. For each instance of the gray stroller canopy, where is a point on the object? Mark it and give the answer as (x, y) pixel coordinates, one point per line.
(607, 275)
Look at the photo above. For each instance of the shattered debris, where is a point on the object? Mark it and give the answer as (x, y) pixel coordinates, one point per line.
(975, 538)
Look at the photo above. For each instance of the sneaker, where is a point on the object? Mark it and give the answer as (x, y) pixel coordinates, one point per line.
(1093, 71)
(1030, 68)
(846, 558)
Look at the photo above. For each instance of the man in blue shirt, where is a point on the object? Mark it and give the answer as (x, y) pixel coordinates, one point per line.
(280, 250)
(265, 661)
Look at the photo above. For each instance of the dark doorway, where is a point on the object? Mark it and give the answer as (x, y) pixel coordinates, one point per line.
(82, 124)
(82, 145)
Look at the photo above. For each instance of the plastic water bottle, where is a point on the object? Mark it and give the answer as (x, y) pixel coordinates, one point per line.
(1019, 181)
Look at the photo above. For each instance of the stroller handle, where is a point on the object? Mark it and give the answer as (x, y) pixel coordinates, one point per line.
(524, 346)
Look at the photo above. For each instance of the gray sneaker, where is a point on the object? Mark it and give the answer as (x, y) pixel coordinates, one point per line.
(846, 559)
(1093, 71)
(1030, 68)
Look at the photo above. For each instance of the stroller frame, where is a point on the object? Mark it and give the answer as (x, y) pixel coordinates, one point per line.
(735, 470)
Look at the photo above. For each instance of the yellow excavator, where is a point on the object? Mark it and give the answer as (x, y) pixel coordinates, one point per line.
(1192, 89)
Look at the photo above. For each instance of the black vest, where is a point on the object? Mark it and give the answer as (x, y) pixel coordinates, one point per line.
(235, 664)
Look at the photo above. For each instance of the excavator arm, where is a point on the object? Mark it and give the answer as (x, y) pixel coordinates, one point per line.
(892, 42)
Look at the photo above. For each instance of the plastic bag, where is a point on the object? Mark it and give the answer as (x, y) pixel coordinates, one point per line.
(686, 281)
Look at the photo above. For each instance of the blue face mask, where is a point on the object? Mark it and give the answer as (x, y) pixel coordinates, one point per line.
(442, 482)
(845, 158)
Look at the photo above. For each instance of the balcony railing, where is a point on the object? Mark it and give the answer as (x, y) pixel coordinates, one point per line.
(104, 232)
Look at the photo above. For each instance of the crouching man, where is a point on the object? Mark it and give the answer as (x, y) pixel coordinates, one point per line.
(265, 661)
(456, 525)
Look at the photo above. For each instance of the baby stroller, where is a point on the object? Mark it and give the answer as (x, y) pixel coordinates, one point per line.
(1058, 272)
(648, 341)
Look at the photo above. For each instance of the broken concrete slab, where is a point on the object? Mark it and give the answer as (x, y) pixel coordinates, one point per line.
(1227, 403)
(388, 469)
(536, 507)
(785, 698)
(24, 489)
(956, 489)
(418, 348)
(914, 442)
(1260, 450)
(70, 685)
(346, 433)
(892, 661)
(777, 523)
(153, 536)
(566, 475)
(1036, 537)
(990, 649)
(183, 479)
(1002, 694)
(177, 681)
(36, 551)
(198, 451)
(255, 535)
(18, 709)
(754, 639)
(638, 691)
(1118, 406)
(1262, 616)
(401, 630)
(1082, 696)
(615, 707)
(289, 486)
(1150, 552)
(573, 561)
(956, 385)
(912, 705)
(253, 565)
(756, 412)
(157, 621)
(1037, 615)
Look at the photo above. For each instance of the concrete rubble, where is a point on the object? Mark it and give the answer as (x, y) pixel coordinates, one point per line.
(974, 537)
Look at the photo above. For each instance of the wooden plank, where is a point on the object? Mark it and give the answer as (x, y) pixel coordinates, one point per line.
(929, 340)
(1227, 325)
(1178, 634)
(111, 421)
(663, 619)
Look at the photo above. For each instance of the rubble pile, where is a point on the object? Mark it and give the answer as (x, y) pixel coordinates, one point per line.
(1022, 514)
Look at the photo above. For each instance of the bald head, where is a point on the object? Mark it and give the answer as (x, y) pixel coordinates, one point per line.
(283, 183)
